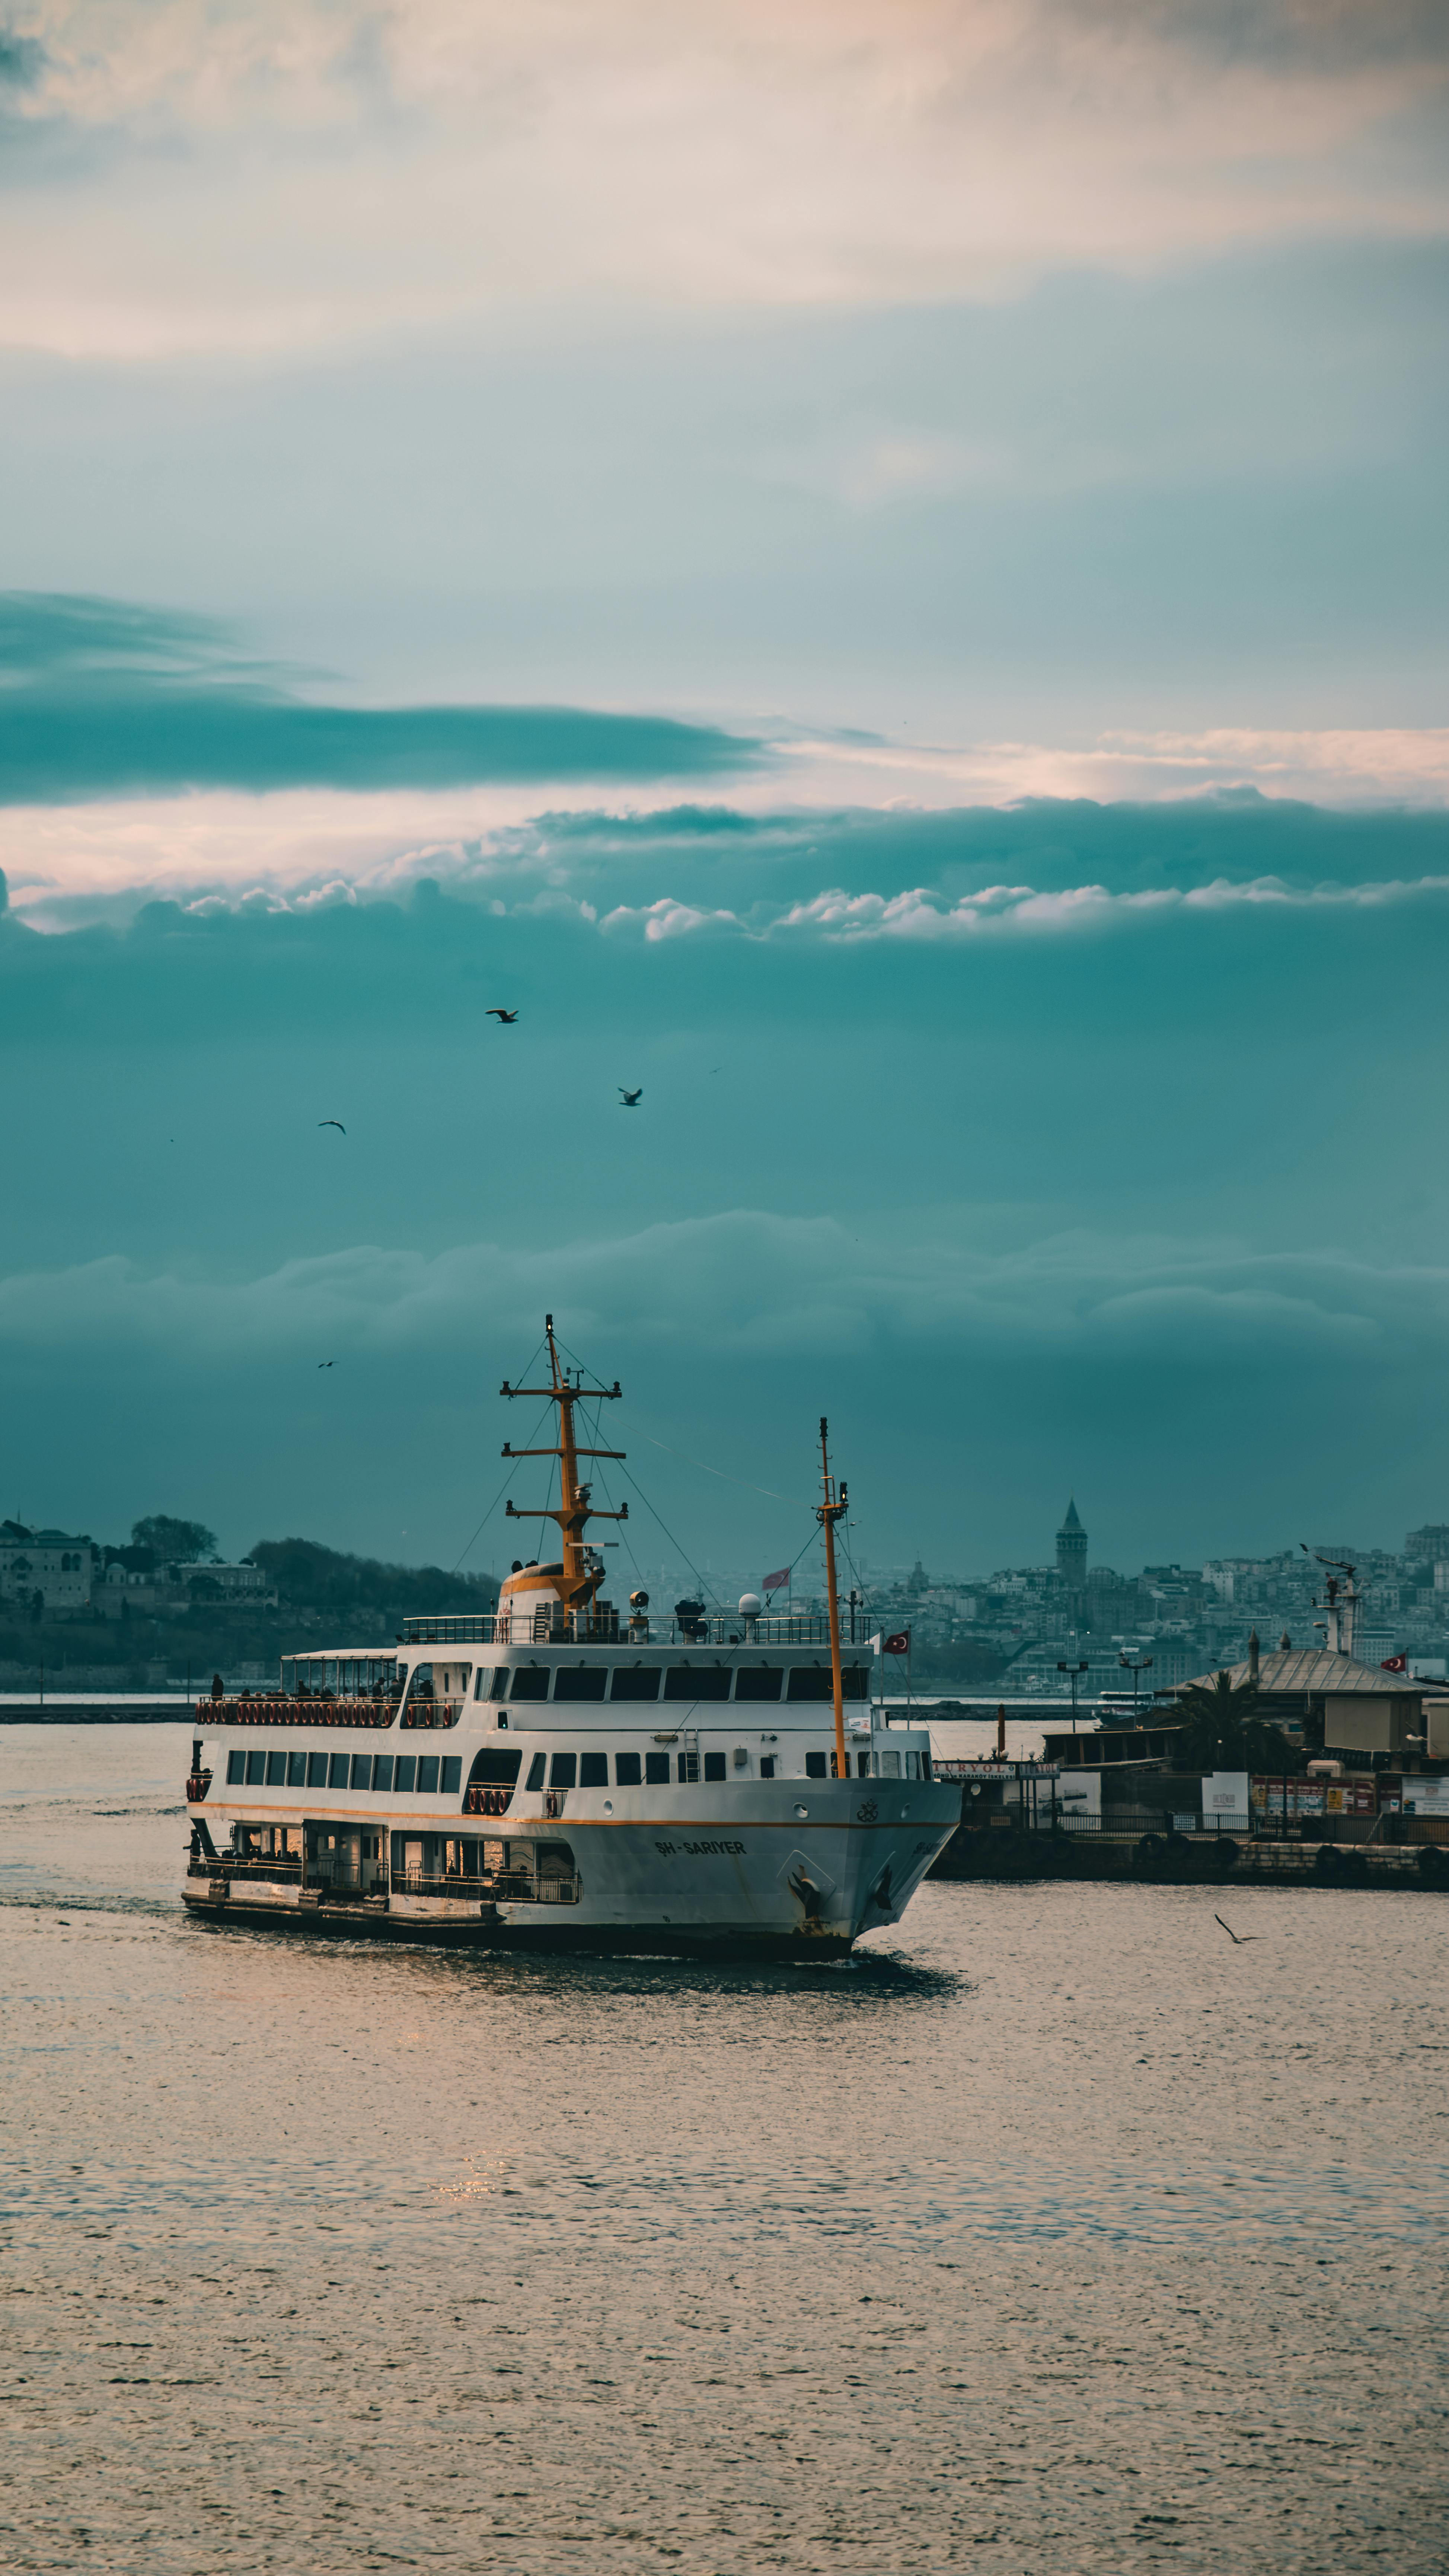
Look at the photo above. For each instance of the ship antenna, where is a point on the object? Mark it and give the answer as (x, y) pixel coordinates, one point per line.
(828, 1513)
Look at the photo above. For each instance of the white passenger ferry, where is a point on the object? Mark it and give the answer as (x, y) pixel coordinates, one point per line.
(567, 1773)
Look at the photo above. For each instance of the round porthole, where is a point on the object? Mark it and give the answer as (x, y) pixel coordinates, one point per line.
(802, 1811)
(608, 1806)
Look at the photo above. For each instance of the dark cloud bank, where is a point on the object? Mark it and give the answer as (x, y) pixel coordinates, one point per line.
(102, 698)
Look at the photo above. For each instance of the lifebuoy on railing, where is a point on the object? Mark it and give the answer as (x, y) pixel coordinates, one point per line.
(486, 1802)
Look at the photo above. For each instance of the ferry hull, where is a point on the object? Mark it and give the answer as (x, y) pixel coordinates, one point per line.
(798, 1885)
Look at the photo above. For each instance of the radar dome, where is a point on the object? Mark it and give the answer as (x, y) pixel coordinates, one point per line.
(750, 1605)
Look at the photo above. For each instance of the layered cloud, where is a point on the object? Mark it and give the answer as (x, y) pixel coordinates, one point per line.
(752, 1283)
(732, 1332)
(358, 166)
(746, 869)
(102, 699)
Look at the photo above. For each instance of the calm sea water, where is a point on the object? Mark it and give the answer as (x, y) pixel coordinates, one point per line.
(1051, 2233)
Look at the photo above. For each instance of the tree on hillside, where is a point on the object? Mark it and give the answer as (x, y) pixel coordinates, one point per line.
(173, 1542)
(1224, 1730)
(325, 1578)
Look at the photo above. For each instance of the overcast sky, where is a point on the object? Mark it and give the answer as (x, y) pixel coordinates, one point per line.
(877, 571)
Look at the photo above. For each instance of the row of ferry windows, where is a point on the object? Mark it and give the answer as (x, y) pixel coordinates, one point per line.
(680, 1682)
(399, 1773)
(593, 1768)
(429, 1775)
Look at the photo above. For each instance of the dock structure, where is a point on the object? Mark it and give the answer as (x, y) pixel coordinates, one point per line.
(97, 1708)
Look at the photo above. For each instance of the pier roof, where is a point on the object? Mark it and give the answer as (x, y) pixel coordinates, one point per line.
(1308, 1670)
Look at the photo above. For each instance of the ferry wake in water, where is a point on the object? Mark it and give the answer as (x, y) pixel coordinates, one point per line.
(569, 1773)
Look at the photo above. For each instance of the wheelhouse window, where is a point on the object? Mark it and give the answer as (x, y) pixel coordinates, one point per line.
(697, 1681)
(530, 1681)
(810, 1681)
(714, 1766)
(565, 1765)
(656, 1769)
(758, 1681)
(635, 1681)
(814, 1681)
(536, 1770)
(580, 1681)
(593, 1770)
(626, 1770)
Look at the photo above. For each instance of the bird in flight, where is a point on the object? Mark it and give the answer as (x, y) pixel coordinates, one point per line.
(1238, 1938)
(326, 1363)
(333, 1122)
(631, 1099)
(504, 1018)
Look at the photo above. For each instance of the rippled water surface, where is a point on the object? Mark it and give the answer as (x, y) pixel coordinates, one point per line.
(1051, 2233)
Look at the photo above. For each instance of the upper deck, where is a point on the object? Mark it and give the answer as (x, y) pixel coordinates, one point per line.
(602, 1626)
(790, 1678)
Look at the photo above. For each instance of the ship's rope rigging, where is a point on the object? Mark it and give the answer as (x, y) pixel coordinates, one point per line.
(708, 1590)
(502, 1490)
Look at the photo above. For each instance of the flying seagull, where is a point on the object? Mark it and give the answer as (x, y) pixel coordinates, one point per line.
(1237, 1937)
(326, 1363)
(631, 1099)
(505, 1018)
(333, 1122)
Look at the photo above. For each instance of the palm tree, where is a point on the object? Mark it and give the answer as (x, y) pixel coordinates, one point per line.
(1222, 1731)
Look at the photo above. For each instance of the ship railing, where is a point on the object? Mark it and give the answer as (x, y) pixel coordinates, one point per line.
(313, 1710)
(506, 1886)
(226, 1865)
(565, 1628)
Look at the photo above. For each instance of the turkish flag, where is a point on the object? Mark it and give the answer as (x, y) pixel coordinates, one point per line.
(773, 1582)
(1394, 1664)
(900, 1644)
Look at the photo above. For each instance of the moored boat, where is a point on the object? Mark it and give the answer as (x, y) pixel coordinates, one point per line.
(568, 1773)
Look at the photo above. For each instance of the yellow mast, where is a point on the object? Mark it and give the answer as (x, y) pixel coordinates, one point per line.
(575, 1510)
(828, 1513)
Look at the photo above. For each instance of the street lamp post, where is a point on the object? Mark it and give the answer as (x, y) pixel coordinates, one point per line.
(1075, 1671)
(1128, 1666)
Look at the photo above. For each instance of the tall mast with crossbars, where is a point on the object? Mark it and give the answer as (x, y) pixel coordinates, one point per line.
(575, 1510)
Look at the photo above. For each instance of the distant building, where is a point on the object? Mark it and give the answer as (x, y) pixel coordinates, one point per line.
(162, 1590)
(241, 1587)
(1072, 1551)
(49, 1563)
(1333, 1702)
